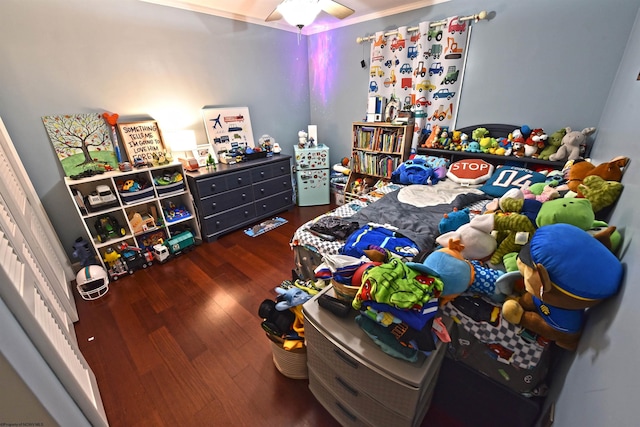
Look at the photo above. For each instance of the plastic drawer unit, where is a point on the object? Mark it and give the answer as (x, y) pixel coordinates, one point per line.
(356, 381)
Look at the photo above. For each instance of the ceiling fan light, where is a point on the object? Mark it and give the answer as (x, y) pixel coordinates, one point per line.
(299, 12)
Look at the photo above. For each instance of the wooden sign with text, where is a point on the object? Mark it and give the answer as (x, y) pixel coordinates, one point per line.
(141, 140)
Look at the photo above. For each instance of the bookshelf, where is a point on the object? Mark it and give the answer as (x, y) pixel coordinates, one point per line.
(377, 149)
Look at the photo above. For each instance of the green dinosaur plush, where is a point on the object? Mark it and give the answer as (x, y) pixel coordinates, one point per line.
(553, 143)
(573, 211)
(479, 133)
(515, 230)
(599, 192)
(510, 261)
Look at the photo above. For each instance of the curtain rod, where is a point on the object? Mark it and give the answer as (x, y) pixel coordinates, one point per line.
(478, 16)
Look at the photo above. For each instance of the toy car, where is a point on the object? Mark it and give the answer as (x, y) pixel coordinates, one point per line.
(107, 227)
(422, 101)
(443, 93)
(425, 85)
(101, 198)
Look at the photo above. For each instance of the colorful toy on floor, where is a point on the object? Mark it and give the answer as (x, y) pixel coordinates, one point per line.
(83, 252)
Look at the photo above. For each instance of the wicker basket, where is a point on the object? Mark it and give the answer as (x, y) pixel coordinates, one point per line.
(344, 292)
(290, 363)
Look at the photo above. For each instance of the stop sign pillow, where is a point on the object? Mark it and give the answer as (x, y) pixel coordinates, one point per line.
(470, 171)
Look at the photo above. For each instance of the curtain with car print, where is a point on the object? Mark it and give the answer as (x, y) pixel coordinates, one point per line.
(423, 68)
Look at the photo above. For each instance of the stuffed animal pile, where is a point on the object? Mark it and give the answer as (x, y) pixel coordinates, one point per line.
(538, 253)
(562, 145)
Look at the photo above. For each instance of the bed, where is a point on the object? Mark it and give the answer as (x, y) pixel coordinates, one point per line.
(419, 223)
(506, 353)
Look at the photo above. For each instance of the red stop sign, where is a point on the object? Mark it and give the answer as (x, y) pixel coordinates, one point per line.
(470, 171)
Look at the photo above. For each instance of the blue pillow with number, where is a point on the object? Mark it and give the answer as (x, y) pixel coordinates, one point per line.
(507, 177)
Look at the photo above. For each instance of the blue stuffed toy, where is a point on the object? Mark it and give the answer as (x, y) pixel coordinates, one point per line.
(288, 298)
(414, 171)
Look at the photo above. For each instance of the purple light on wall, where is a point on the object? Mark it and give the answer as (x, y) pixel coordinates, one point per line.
(322, 78)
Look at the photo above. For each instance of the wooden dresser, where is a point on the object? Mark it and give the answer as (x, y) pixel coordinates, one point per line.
(356, 381)
(234, 196)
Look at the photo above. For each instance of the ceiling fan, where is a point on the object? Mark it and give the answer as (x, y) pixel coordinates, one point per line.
(302, 12)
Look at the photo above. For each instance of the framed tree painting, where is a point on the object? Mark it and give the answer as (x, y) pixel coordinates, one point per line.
(81, 142)
(228, 128)
(142, 141)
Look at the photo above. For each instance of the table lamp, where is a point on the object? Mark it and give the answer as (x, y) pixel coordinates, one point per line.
(183, 141)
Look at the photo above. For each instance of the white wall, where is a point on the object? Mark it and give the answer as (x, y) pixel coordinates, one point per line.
(602, 383)
(138, 59)
(545, 63)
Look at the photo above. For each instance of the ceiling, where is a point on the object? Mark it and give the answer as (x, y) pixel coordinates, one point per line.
(256, 11)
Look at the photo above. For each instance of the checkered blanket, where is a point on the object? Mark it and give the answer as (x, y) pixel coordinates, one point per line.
(302, 237)
(526, 353)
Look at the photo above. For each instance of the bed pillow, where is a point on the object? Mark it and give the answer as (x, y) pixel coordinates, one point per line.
(470, 171)
(507, 177)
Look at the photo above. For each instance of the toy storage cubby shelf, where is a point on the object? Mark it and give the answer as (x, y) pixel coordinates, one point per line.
(112, 215)
(377, 149)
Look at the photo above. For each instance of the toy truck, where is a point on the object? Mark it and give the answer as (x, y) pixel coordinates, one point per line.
(451, 76)
(174, 246)
(397, 44)
(434, 51)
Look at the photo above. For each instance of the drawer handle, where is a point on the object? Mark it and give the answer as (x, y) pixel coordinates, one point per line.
(213, 187)
(347, 387)
(346, 412)
(262, 190)
(217, 223)
(262, 174)
(346, 359)
(239, 180)
(244, 196)
(213, 205)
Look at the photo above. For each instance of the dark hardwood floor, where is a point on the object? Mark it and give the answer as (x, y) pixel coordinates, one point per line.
(180, 343)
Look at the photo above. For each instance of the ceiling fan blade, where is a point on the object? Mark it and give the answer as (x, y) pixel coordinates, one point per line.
(335, 9)
(274, 16)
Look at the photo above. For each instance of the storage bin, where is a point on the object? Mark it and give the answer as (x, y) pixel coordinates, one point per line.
(337, 194)
(255, 155)
(170, 188)
(291, 363)
(137, 196)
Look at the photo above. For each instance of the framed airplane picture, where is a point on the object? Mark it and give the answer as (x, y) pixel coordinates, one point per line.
(228, 128)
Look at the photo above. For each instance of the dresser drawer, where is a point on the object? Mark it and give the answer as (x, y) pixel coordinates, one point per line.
(267, 171)
(402, 397)
(218, 184)
(272, 186)
(345, 415)
(227, 200)
(360, 403)
(228, 219)
(381, 388)
(274, 203)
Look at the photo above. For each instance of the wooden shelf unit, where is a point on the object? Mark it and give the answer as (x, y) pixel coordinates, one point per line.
(377, 149)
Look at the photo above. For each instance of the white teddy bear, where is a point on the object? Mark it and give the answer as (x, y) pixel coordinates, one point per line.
(302, 139)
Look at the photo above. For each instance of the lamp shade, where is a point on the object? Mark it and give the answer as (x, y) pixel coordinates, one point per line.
(299, 12)
(180, 140)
